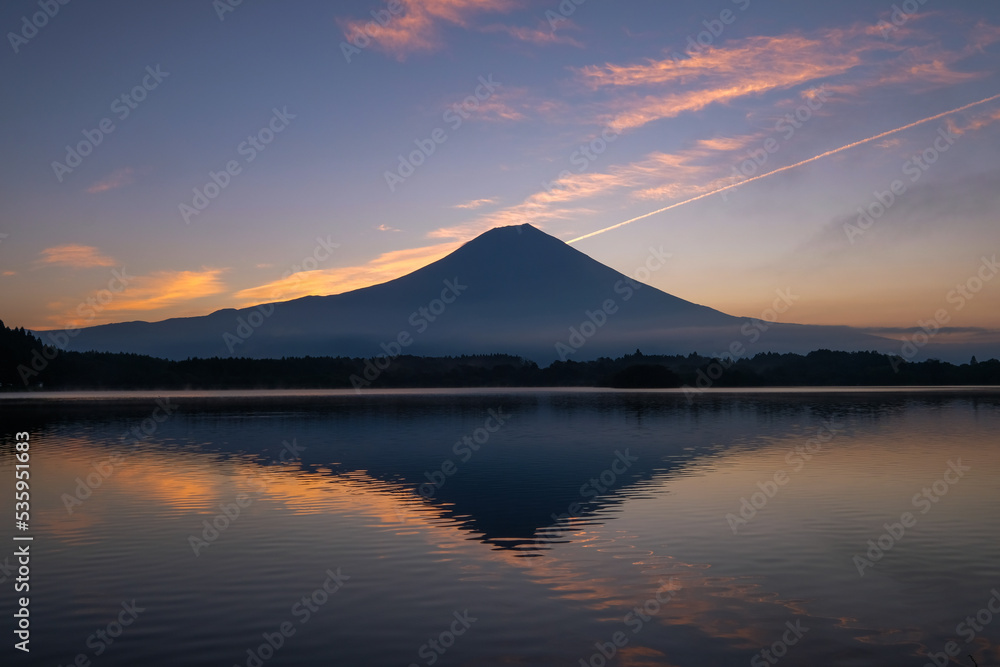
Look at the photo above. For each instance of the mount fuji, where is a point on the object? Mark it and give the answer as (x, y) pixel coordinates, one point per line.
(514, 290)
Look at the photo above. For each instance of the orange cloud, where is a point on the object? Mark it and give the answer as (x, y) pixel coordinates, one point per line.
(499, 107)
(116, 180)
(720, 75)
(658, 89)
(664, 175)
(781, 58)
(655, 177)
(530, 211)
(923, 68)
(505, 104)
(976, 123)
(138, 294)
(383, 268)
(76, 256)
(541, 36)
(417, 26)
(727, 143)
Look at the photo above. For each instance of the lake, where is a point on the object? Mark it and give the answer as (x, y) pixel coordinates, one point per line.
(508, 527)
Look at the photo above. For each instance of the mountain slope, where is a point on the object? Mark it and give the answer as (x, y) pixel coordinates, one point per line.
(512, 289)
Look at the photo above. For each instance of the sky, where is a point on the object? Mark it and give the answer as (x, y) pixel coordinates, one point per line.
(171, 159)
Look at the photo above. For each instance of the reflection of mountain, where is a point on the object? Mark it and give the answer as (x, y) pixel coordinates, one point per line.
(514, 290)
(732, 592)
(548, 457)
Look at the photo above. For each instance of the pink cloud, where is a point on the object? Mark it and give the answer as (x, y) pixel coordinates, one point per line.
(75, 256)
(117, 179)
(418, 25)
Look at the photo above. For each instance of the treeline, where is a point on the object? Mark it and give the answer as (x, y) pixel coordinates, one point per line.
(26, 364)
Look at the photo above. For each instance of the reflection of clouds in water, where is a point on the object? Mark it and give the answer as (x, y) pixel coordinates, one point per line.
(734, 593)
(716, 606)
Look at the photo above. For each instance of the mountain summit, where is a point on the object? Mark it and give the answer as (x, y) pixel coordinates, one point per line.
(512, 289)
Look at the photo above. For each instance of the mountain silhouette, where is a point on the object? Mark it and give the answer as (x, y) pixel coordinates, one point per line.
(512, 289)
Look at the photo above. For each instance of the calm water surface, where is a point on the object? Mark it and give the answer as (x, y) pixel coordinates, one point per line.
(590, 527)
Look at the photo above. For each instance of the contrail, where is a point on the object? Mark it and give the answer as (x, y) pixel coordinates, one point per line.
(791, 166)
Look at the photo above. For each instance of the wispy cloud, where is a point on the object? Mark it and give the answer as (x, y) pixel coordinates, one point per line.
(117, 179)
(475, 203)
(529, 211)
(383, 268)
(419, 24)
(727, 143)
(720, 75)
(656, 176)
(889, 143)
(541, 35)
(977, 122)
(655, 89)
(507, 104)
(387, 228)
(75, 256)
